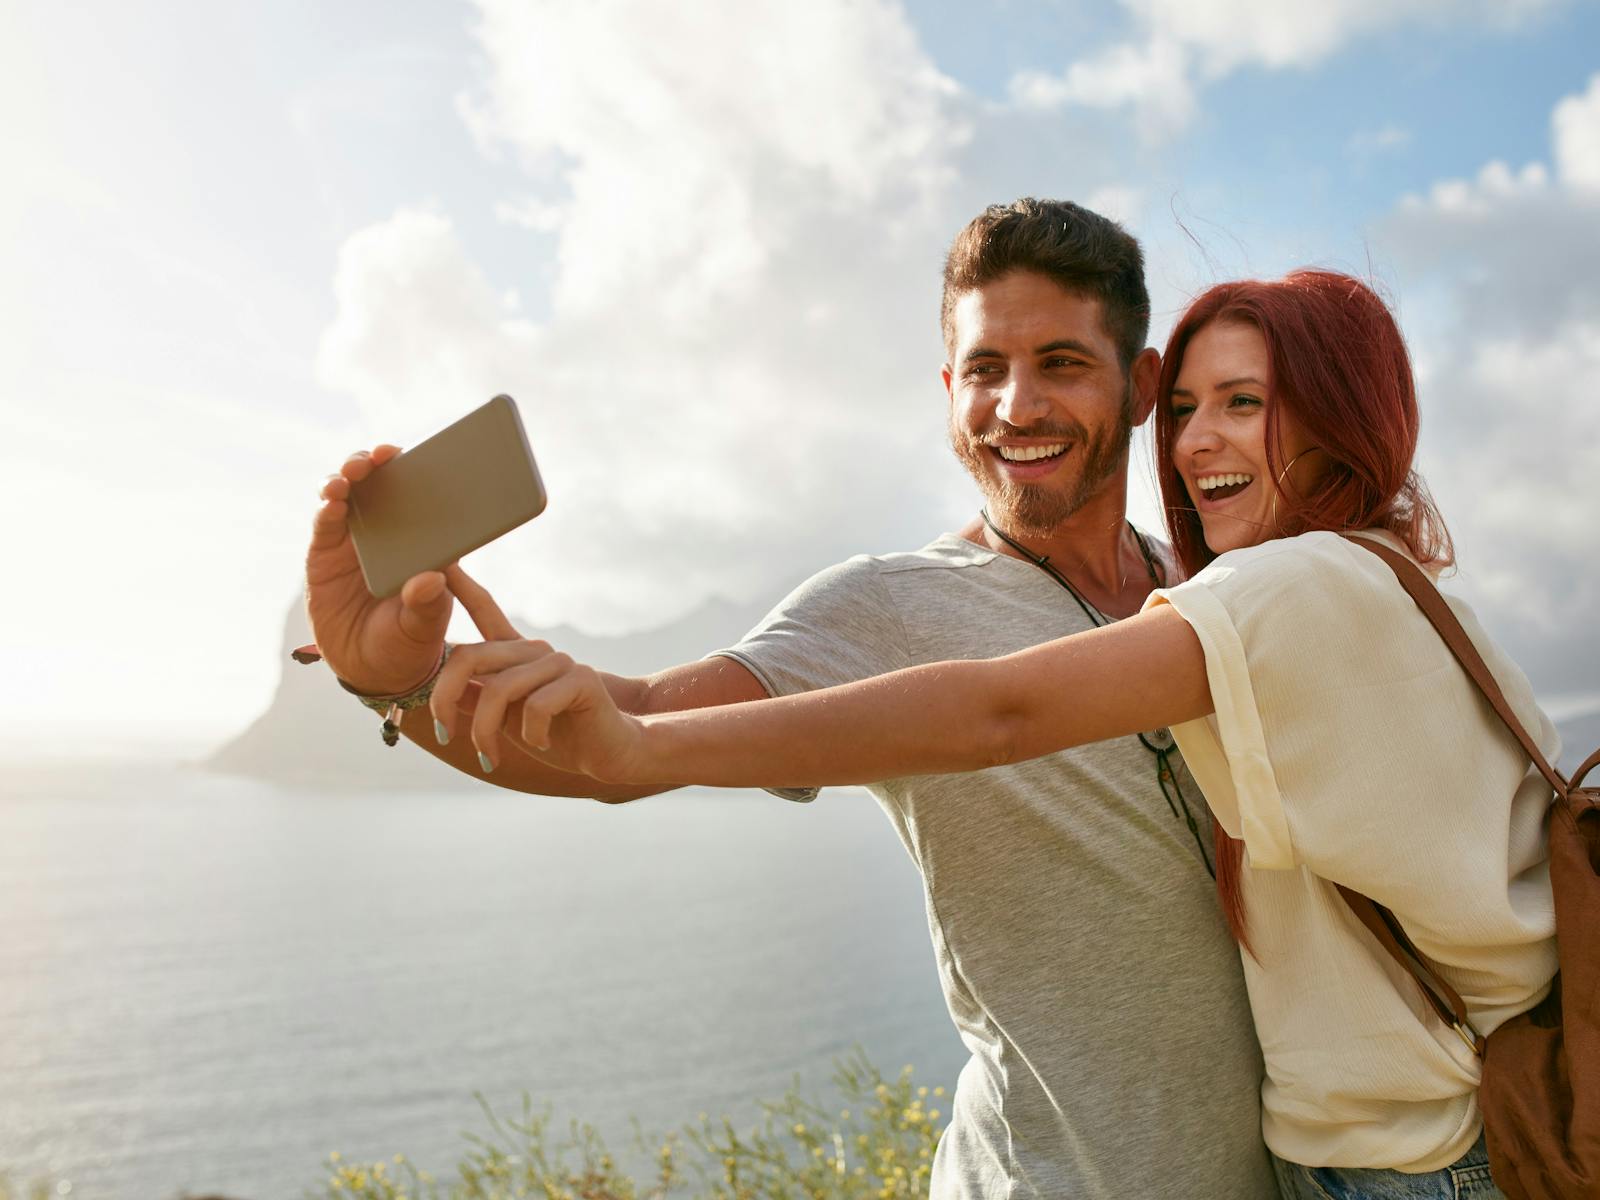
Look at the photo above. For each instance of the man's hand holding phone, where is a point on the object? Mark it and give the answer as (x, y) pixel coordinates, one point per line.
(376, 592)
(381, 646)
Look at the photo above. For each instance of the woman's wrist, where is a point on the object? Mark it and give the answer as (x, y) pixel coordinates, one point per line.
(640, 762)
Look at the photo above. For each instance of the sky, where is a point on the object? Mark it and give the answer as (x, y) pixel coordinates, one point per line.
(700, 244)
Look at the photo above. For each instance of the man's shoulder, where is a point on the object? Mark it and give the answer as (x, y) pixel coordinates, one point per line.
(948, 551)
(871, 594)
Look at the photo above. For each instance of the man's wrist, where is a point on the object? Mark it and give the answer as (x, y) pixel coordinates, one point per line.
(412, 697)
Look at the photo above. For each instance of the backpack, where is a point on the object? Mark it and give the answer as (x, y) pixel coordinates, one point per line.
(1540, 1092)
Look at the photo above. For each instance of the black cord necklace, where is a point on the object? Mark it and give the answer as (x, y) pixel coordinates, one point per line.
(1159, 742)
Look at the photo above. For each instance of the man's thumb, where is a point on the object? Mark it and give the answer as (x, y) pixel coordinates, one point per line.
(425, 606)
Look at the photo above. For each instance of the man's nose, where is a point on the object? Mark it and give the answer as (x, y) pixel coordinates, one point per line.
(1022, 400)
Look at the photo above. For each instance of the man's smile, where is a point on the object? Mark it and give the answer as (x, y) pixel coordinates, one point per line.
(1029, 453)
(1030, 461)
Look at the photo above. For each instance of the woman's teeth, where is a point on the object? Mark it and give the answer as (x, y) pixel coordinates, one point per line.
(1220, 487)
(1029, 453)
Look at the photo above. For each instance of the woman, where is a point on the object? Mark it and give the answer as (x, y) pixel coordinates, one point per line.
(1334, 736)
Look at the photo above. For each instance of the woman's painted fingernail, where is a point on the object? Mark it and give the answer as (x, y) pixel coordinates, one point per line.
(483, 761)
(440, 732)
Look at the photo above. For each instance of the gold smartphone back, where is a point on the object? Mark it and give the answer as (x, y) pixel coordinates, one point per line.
(462, 488)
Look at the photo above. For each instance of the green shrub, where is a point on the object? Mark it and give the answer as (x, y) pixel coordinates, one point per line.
(878, 1145)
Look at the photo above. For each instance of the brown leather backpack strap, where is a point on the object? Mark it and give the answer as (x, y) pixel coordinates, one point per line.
(1583, 770)
(1432, 603)
(1441, 997)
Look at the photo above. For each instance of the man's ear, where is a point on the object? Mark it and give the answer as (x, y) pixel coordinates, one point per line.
(1143, 376)
(946, 374)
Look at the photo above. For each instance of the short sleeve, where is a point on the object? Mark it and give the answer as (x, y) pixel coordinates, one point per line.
(1313, 658)
(1227, 752)
(839, 626)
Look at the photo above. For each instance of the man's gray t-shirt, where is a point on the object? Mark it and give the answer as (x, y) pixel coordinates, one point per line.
(1079, 942)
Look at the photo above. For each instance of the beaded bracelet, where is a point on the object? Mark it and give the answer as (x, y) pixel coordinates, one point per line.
(391, 706)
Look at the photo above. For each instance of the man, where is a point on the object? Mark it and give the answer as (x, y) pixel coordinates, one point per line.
(1079, 945)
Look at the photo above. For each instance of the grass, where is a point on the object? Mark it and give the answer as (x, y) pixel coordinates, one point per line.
(876, 1143)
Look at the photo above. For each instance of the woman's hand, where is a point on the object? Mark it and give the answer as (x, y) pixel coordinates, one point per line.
(568, 718)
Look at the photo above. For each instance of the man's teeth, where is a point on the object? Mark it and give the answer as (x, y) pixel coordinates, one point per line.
(1207, 482)
(1030, 453)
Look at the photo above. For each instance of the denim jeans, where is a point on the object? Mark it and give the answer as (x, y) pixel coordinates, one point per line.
(1465, 1179)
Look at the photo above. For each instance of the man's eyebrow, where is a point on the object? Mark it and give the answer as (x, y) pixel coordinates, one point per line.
(1076, 347)
(1071, 344)
(1217, 387)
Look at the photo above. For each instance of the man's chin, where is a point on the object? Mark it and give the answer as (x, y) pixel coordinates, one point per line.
(1029, 510)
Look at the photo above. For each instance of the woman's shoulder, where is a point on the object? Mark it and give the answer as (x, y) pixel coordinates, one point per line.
(1318, 552)
(1320, 576)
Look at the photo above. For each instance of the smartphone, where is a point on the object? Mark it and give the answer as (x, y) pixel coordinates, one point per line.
(462, 488)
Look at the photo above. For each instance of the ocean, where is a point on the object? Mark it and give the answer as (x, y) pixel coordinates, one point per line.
(207, 983)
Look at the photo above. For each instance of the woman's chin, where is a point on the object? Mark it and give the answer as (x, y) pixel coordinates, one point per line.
(1228, 533)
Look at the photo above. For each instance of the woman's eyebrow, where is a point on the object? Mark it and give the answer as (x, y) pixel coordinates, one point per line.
(1217, 387)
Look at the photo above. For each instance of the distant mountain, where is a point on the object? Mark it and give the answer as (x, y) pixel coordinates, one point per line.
(313, 733)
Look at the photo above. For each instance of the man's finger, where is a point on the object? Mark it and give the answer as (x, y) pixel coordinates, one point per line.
(357, 466)
(425, 607)
(486, 614)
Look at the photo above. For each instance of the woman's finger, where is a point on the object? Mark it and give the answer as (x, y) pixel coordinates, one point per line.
(475, 659)
(503, 689)
(544, 705)
(486, 614)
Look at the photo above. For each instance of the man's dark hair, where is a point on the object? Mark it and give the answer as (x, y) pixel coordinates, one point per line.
(1081, 250)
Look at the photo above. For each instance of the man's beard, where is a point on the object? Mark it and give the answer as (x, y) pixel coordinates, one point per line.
(1036, 509)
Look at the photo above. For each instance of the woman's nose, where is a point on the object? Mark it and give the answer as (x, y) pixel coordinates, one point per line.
(1199, 432)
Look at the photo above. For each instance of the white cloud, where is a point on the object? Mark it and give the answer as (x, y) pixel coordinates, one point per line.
(418, 325)
(1180, 44)
(736, 382)
(1151, 76)
(532, 213)
(1507, 268)
(681, 136)
(1576, 123)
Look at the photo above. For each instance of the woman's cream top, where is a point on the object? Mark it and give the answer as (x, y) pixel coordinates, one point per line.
(1348, 745)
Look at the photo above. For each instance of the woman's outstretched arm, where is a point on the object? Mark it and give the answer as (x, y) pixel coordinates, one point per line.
(1137, 674)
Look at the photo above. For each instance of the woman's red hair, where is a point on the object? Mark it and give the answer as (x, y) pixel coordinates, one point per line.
(1339, 364)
